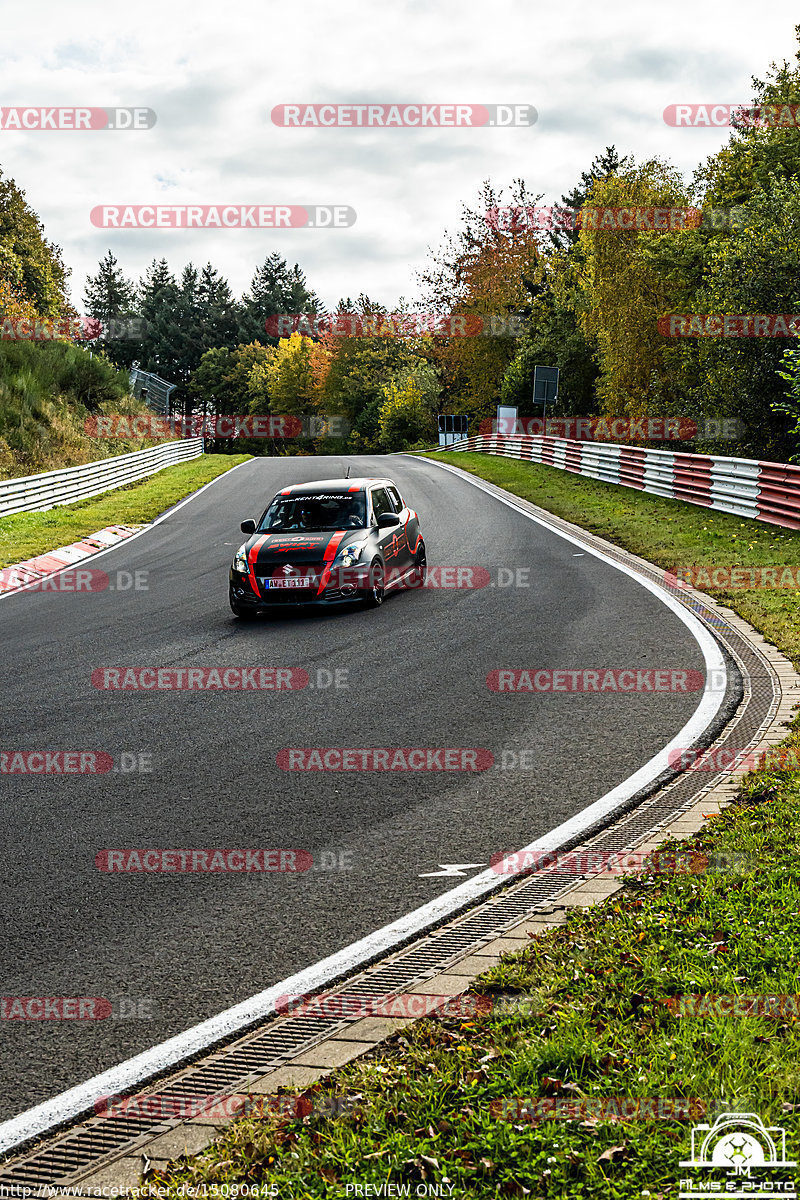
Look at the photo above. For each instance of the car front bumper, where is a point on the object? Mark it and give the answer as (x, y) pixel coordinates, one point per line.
(348, 588)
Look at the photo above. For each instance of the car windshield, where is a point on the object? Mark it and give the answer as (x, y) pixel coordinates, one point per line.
(315, 513)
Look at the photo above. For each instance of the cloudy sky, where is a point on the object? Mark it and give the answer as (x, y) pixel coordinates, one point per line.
(598, 74)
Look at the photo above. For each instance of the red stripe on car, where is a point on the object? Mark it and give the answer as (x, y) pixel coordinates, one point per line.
(330, 551)
(252, 555)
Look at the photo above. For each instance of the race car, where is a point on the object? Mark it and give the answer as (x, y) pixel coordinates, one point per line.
(337, 541)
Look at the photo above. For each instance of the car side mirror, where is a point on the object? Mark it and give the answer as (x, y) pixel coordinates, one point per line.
(386, 520)
(248, 526)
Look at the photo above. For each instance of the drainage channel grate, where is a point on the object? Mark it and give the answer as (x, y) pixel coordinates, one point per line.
(73, 1154)
(69, 1157)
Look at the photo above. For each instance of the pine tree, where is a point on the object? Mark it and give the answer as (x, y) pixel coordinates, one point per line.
(274, 290)
(604, 166)
(110, 299)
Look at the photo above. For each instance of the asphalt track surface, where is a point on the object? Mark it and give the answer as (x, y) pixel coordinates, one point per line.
(184, 947)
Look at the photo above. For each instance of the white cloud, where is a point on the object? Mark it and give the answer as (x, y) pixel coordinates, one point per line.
(598, 75)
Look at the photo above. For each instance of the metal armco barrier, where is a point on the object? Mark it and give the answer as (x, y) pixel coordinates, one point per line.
(36, 493)
(764, 491)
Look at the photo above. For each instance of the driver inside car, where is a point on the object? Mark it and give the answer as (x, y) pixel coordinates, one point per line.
(350, 518)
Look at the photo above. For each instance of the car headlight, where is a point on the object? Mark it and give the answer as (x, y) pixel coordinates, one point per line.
(240, 560)
(351, 554)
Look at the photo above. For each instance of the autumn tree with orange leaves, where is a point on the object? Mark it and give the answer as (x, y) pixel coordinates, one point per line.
(487, 269)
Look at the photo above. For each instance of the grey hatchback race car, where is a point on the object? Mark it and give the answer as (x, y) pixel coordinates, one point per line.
(336, 541)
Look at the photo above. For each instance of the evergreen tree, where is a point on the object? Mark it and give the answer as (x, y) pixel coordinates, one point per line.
(604, 166)
(274, 290)
(110, 299)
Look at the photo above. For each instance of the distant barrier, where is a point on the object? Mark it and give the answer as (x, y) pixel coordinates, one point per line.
(36, 493)
(764, 491)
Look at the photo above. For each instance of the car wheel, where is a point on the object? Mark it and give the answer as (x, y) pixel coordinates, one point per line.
(373, 597)
(420, 570)
(244, 614)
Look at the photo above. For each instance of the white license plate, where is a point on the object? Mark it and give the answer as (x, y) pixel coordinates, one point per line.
(296, 582)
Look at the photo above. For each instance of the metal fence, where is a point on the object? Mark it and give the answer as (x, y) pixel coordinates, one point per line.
(154, 391)
(36, 493)
(764, 491)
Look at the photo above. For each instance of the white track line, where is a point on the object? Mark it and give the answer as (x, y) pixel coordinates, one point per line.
(79, 1100)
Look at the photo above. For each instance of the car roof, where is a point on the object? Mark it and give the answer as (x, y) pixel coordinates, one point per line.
(334, 485)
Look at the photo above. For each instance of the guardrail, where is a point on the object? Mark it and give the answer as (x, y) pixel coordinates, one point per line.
(36, 493)
(763, 491)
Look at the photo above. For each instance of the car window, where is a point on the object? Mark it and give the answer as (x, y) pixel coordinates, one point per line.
(380, 502)
(314, 513)
(394, 496)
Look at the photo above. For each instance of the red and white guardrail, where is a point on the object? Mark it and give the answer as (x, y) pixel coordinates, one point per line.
(764, 491)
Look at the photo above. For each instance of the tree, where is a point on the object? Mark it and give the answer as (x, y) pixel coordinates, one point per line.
(604, 166)
(158, 301)
(184, 321)
(790, 402)
(755, 269)
(624, 292)
(359, 366)
(485, 270)
(293, 381)
(33, 278)
(760, 149)
(274, 290)
(555, 338)
(111, 299)
(404, 417)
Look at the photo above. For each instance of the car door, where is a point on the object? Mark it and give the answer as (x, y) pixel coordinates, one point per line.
(390, 540)
(408, 523)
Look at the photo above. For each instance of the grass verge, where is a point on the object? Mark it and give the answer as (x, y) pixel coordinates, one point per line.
(434, 1110)
(27, 534)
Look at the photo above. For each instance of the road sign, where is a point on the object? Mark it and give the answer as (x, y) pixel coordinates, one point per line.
(506, 420)
(452, 428)
(545, 386)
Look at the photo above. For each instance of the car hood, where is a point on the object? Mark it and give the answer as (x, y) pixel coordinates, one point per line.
(273, 548)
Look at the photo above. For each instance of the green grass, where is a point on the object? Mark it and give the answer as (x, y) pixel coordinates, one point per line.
(668, 533)
(28, 534)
